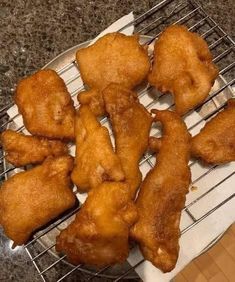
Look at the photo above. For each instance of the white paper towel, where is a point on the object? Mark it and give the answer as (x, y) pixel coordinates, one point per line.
(197, 238)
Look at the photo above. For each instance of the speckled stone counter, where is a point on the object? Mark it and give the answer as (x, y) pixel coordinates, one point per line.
(34, 32)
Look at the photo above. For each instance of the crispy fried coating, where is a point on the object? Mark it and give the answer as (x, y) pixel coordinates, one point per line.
(23, 149)
(99, 234)
(94, 99)
(215, 144)
(183, 66)
(162, 194)
(30, 199)
(131, 124)
(46, 105)
(114, 58)
(95, 160)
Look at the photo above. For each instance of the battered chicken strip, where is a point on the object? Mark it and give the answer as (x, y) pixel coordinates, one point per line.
(131, 124)
(95, 160)
(162, 194)
(22, 150)
(99, 234)
(114, 58)
(46, 105)
(183, 66)
(215, 144)
(30, 199)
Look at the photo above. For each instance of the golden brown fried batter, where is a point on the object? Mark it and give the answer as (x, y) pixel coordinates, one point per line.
(99, 234)
(114, 58)
(162, 194)
(94, 99)
(215, 143)
(131, 124)
(183, 66)
(22, 150)
(46, 105)
(95, 160)
(30, 199)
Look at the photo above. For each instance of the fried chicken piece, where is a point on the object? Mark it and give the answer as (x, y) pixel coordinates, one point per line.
(114, 58)
(215, 144)
(95, 160)
(99, 234)
(94, 99)
(22, 150)
(131, 124)
(30, 199)
(183, 66)
(162, 194)
(46, 105)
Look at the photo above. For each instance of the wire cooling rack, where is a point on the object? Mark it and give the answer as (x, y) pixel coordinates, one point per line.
(149, 24)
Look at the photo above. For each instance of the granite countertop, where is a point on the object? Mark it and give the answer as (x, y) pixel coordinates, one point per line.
(34, 32)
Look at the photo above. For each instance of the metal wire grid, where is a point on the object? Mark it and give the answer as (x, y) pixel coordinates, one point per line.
(151, 23)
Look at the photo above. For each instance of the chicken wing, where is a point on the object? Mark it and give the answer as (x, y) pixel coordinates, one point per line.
(30, 199)
(95, 160)
(99, 234)
(183, 66)
(131, 124)
(46, 105)
(22, 150)
(162, 194)
(114, 58)
(215, 143)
